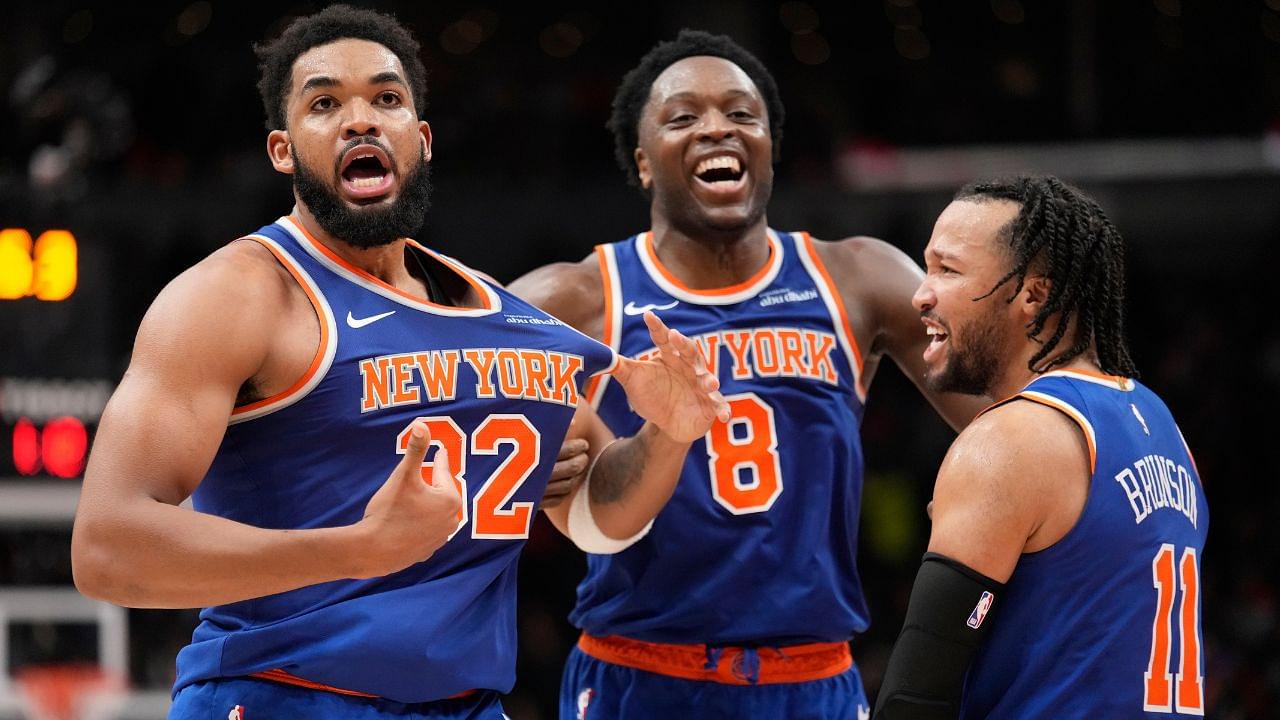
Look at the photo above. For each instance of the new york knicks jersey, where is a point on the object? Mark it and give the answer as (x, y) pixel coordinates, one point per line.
(1105, 623)
(498, 383)
(757, 546)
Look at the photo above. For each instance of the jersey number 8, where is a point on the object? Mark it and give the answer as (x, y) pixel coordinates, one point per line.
(747, 446)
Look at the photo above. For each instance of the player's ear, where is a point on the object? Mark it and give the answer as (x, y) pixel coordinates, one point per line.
(425, 131)
(1035, 293)
(642, 169)
(280, 151)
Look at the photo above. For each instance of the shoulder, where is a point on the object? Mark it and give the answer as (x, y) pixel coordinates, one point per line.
(236, 292)
(1016, 449)
(863, 256)
(571, 291)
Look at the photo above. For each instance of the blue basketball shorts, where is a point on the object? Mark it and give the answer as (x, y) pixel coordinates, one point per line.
(253, 699)
(593, 689)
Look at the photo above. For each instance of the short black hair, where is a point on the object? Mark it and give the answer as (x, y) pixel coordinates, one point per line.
(1064, 234)
(633, 93)
(336, 22)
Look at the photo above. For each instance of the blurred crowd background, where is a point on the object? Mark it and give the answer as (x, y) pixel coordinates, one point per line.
(140, 132)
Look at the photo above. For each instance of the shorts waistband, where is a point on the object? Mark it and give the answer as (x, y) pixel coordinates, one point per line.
(281, 676)
(726, 665)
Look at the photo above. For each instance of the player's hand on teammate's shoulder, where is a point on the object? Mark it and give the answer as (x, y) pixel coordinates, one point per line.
(675, 391)
(410, 516)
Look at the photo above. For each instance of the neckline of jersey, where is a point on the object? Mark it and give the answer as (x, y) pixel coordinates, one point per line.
(490, 300)
(1115, 382)
(730, 295)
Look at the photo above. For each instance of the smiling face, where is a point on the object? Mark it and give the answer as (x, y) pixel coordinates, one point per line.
(705, 150)
(354, 144)
(972, 342)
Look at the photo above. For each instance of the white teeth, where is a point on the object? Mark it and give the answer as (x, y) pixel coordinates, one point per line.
(720, 161)
(369, 182)
(929, 330)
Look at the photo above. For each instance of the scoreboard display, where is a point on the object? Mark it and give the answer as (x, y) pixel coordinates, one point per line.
(57, 353)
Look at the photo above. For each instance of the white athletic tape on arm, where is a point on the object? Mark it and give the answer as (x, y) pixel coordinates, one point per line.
(582, 528)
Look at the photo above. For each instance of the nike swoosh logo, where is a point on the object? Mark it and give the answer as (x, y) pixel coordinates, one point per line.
(354, 323)
(631, 309)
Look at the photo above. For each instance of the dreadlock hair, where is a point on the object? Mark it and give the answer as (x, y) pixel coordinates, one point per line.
(1063, 233)
(633, 93)
(336, 22)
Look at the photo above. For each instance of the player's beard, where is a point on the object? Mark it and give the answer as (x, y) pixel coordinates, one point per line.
(369, 226)
(973, 361)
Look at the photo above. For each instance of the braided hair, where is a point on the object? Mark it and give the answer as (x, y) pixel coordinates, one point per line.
(1063, 233)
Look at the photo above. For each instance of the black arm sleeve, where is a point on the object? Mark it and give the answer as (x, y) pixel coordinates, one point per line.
(947, 619)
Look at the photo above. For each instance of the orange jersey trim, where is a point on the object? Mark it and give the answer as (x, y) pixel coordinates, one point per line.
(646, 244)
(1117, 382)
(795, 663)
(367, 277)
(316, 361)
(280, 676)
(594, 384)
(1072, 413)
(821, 267)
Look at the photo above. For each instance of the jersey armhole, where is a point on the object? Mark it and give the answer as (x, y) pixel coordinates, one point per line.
(835, 307)
(612, 334)
(325, 350)
(1086, 428)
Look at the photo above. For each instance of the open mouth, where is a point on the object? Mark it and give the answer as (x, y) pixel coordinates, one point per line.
(366, 173)
(721, 174)
(937, 339)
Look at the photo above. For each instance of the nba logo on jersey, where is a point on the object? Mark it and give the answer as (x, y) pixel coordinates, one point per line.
(980, 610)
(237, 713)
(584, 700)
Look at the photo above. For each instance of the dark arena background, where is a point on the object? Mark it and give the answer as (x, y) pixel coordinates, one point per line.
(133, 146)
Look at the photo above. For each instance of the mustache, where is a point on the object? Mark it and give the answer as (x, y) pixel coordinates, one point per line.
(356, 142)
(933, 317)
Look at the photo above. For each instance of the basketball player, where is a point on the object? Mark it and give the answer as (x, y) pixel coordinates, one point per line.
(741, 599)
(1063, 572)
(291, 384)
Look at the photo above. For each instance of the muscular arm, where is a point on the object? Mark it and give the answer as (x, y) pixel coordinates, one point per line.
(876, 281)
(205, 335)
(1015, 481)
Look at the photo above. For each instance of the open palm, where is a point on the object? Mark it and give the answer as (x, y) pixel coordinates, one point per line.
(674, 391)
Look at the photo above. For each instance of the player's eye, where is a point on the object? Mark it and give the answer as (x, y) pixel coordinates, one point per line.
(742, 115)
(323, 103)
(682, 119)
(389, 98)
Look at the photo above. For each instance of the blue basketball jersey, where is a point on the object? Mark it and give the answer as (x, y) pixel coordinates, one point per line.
(757, 546)
(1105, 623)
(498, 384)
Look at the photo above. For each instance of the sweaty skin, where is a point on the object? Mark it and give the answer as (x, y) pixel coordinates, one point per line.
(133, 545)
(1015, 480)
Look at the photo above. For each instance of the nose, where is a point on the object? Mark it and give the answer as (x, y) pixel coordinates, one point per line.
(924, 298)
(716, 126)
(360, 120)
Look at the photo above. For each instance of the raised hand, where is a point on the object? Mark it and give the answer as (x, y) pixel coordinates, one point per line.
(674, 391)
(410, 517)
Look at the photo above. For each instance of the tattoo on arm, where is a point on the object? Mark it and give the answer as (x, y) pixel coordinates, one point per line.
(610, 481)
